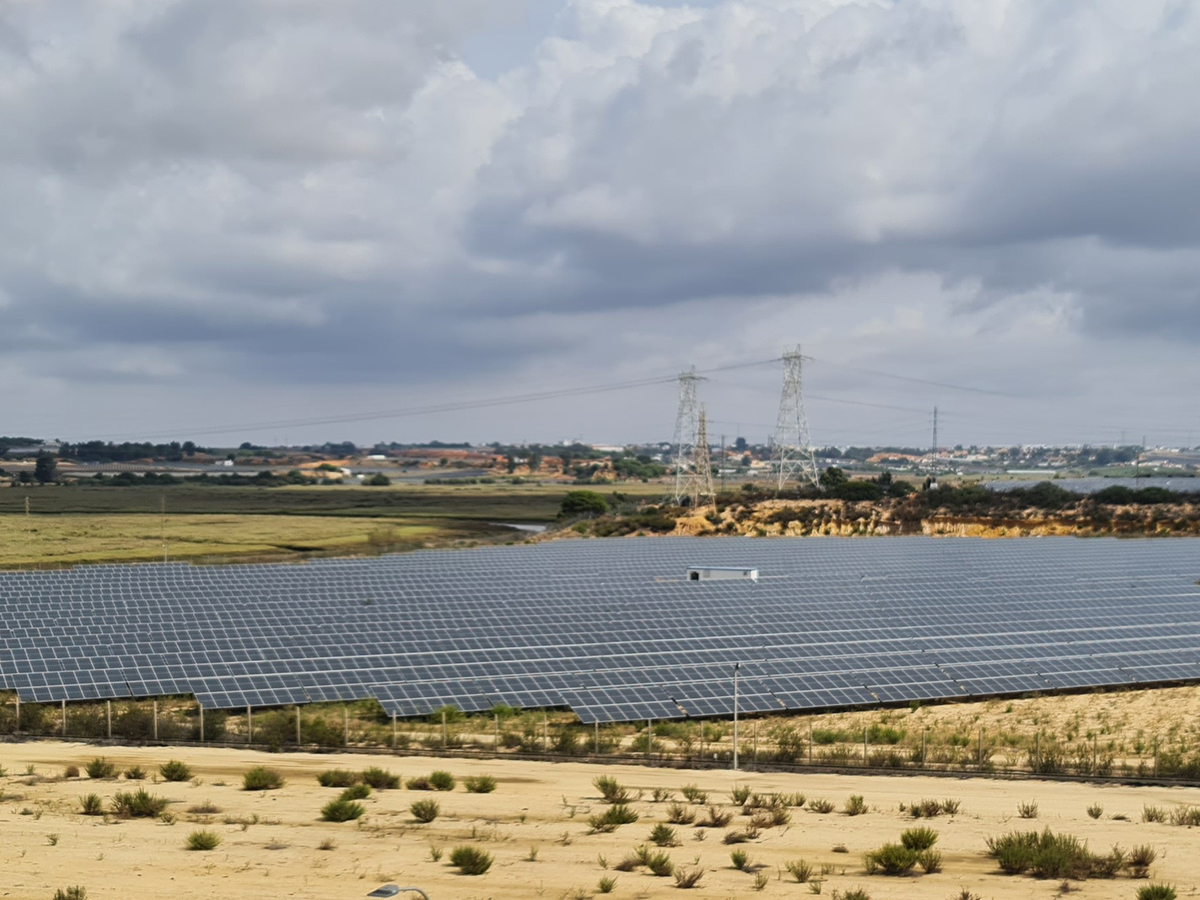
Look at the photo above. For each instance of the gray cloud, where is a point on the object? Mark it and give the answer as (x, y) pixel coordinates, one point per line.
(328, 202)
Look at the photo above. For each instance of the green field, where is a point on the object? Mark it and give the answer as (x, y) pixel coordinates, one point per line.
(70, 524)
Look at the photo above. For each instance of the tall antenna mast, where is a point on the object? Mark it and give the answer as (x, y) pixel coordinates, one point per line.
(793, 451)
(687, 427)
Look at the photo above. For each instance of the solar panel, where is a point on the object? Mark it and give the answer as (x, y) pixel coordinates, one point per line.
(613, 629)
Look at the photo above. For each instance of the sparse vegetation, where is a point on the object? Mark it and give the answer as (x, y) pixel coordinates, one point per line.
(479, 784)
(1140, 859)
(693, 794)
(821, 806)
(1028, 810)
(1156, 892)
(342, 811)
(71, 772)
(100, 768)
(611, 790)
(425, 810)
(606, 884)
(799, 869)
(740, 859)
(260, 778)
(678, 814)
(1154, 814)
(616, 815)
(383, 780)
(664, 835)
(688, 878)
(918, 838)
(470, 860)
(1095, 811)
(91, 805)
(356, 792)
(891, 859)
(715, 817)
(207, 808)
(203, 840)
(135, 773)
(855, 805)
(1050, 855)
(78, 892)
(341, 778)
(139, 804)
(174, 770)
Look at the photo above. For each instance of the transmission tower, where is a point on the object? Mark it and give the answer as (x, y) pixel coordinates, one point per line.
(703, 483)
(689, 479)
(793, 451)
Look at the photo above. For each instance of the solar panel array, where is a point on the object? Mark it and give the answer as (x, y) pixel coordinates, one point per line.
(612, 630)
(1095, 485)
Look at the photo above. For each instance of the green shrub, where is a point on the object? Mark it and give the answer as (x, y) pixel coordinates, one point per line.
(659, 864)
(740, 859)
(693, 794)
(678, 814)
(715, 817)
(91, 805)
(479, 784)
(740, 794)
(606, 884)
(78, 892)
(71, 772)
(419, 783)
(174, 770)
(381, 779)
(1156, 892)
(260, 778)
(442, 781)
(821, 806)
(470, 860)
(1095, 811)
(664, 835)
(99, 767)
(1187, 816)
(891, 859)
(855, 894)
(425, 810)
(616, 815)
(1050, 855)
(930, 861)
(1028, 810)
(856, 805)
(688, 878)
(138, 805)
(135, 773)
(342, 811)
(611, 790)
(355, 792)
(1154, 814)
(341, 778)
(918, 838)
(1140, 859)
(799, 869)
(203, 840)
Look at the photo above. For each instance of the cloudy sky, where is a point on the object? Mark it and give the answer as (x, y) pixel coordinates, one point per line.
(280, 220)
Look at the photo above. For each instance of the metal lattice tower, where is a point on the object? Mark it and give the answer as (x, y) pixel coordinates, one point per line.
(703, 482)
(687, 428)
(794, 456)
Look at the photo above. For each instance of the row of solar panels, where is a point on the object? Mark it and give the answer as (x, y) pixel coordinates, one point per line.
(611, 630)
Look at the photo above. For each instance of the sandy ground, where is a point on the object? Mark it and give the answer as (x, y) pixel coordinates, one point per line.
(536, 807)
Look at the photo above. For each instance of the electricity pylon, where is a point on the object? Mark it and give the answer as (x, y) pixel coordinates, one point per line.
(793, 451)
(693, 470)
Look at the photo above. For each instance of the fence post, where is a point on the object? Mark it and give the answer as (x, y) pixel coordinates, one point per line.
(597, 727)
(108, 713)
(155, 709)
(249, 723)
(443, 729)
(201, 723)
(64, 709)
(346, 725)
(545, 732)
(649, 736)
(17, 730)
(393, 732)
(299, 739)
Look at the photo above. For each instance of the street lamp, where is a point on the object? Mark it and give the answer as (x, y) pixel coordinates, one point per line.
(736, 666)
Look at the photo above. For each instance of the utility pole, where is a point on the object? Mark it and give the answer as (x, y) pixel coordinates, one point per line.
(163, 500)
(793, 450)
(935, 414)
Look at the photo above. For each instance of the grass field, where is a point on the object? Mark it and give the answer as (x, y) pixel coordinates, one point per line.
(45, 541)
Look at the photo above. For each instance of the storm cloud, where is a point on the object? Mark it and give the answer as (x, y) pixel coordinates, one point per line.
(233, 212)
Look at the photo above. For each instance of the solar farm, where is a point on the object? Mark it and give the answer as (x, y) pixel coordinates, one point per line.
(613, 630)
